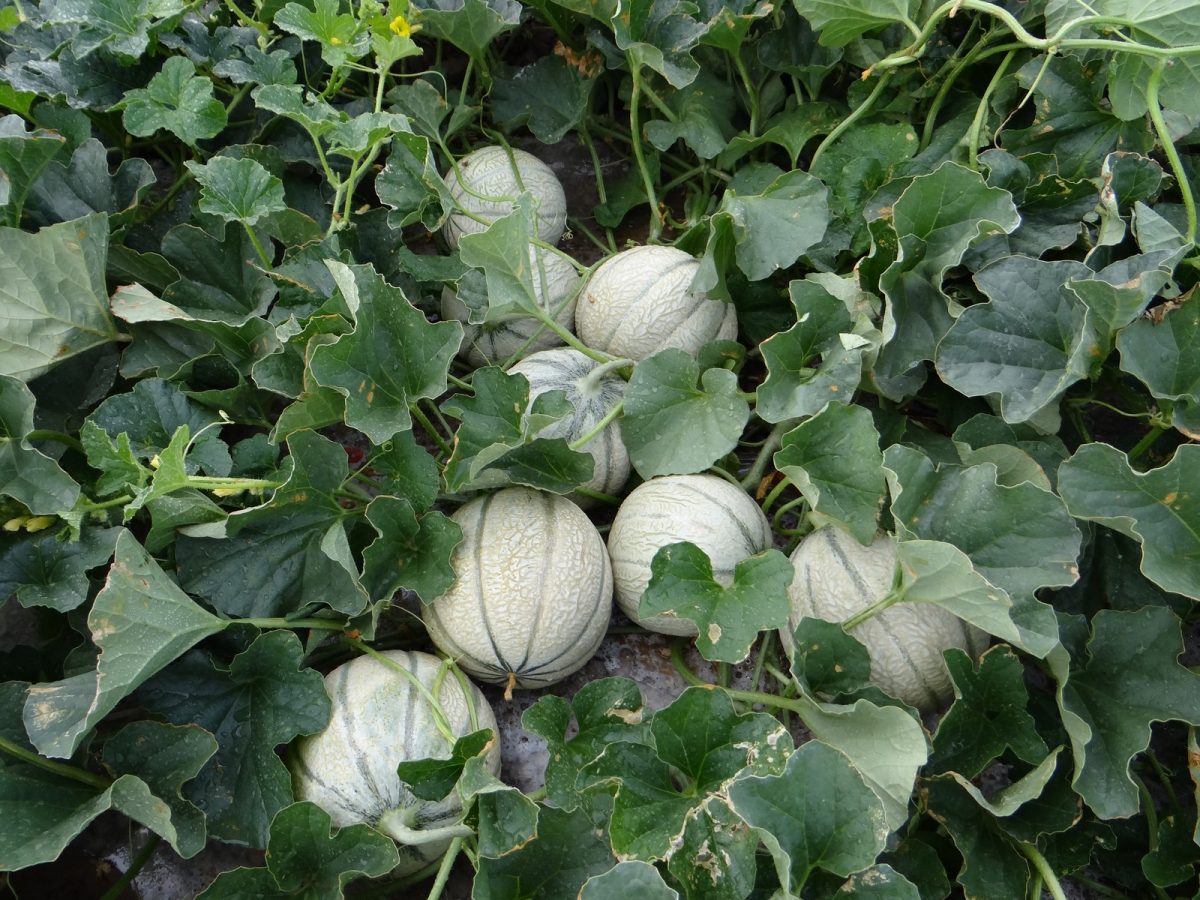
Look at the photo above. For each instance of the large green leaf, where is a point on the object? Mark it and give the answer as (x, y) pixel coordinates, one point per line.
(166, 757)
(834, 460)
(339, 33)
(218, 276)
(605, 711)
(496, 443)
(989, 715)
(660, 35)
(1028, 345)
(141, 621)
(728, 619)
(300, 530)
(393, 358)
(307, 857)
(1112, 715)
(933, 222)
(820, 358)
(42, 569)
(23, 156)
(122, 26)
(768, 219)
(703, 111)
(677, 420)
(176, 100)
(470, 25)
(84, 185)
(629, 880)
(41, 812)
(408, 552)
(237, 190)
(817, 814)
(262, 699)
(841, 21)
(550, 97)
(1160, 353)
(53, 301)
(27, 474)
(1160, 509)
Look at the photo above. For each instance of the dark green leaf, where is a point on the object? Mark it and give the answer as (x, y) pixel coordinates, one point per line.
(841, 21)
(1175, 858)
(818, 814)
(306, 855)
(704, 112)
(176, 100)
(258, 67)
(84, 185)
(570, 848)
(1157, 352)
(23, 156)
(661, 35)
(496, 445)
(881, 881)
(122, 26)
(629, 880)
(606, 711)
(408, 552)
(834, 460)
(1112, 716)
(409, 470)
(218, 278)
(150, 415)
(989, 715)
(141, 621)
(827, 660)
(393, 358)
(411, 185)
(165, 757)
(728, 619)
(1028, 345)
(27, 474)
(300, 530)
(43, 569)
(470, 25)
(433, 779)
(237, 190)
(53, 301)
(550, 97)
(677, 420)
(1158, 508)
(992, 868)
(262, 699)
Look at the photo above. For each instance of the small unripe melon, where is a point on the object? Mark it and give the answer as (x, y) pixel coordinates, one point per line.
(532, 594)
(491, 182)
(836, 577)
(555, 282)
(379, 719)
(710, 512)
(567, 370)
(641, 301)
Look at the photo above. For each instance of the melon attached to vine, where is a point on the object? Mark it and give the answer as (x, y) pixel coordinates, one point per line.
(380, 718)
(837, 577)
(486, 183)
(710, 512)
(641, 301)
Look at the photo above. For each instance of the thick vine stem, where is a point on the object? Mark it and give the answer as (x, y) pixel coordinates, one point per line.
(62, 769)
(635, 130)
(981, 110)
(755, 473)
(848, 122)
(439, 716)
(397, 824)
(1043, 869)
(443, 872)
(1168, 145)
(611, 416)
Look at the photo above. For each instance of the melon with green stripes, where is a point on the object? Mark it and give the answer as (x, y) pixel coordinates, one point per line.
(517, 334)
(532, 594)
(593, 393)
(487, 181)
(380, 718)
(836, 577)
(641, 301)
(710, 512)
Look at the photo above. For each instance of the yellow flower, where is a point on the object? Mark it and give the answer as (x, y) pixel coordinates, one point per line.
(227, 492)
(336, 41)
(40, 523)
(401, 27)
(155, 462)
(15, 523)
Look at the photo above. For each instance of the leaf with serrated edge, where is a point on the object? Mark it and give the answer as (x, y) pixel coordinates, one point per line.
(409, 552)
(1143, 646)
(141, 621)
(678, 421)
(176, 100)
(237, 190)
(393, 358)
(819, 814)
(53, 301)
(728, 619)
(263, 698)
(834, 460)
(1160, 508)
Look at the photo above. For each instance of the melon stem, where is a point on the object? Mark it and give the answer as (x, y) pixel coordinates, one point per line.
(397, 824)
(509, 685)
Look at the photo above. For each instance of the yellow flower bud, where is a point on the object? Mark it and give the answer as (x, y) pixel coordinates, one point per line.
(400, 26)
(227, 492)
(40, 523)
(155, 462)
(15, 523)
